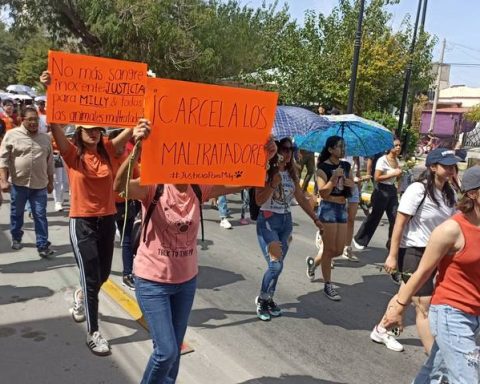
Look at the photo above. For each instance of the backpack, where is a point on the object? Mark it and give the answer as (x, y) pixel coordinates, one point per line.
(140, 226)
(253, 208)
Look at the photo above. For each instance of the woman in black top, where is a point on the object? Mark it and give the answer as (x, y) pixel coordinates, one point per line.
(334, 181)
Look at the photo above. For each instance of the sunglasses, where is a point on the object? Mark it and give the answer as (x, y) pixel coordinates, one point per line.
(286, 149)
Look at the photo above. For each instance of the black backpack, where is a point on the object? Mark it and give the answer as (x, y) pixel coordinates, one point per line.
(253, 208)
(141, 226)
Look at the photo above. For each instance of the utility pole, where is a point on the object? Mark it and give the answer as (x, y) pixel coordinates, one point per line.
(437, 89)
(408, 72)
(356, 56)
(413, 94)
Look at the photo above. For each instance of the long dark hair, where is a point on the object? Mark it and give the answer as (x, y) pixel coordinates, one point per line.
(427, 178)
(290, 166)
(331, 142)
(77, 137)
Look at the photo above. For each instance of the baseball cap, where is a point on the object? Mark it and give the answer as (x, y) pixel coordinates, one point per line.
(442, 156)
(471, 179)
(85, 126)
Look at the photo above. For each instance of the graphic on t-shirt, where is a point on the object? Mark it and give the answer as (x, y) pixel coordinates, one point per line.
(179, 239)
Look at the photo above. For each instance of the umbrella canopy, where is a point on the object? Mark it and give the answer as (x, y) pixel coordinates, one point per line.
(362, 137)
(293, 121)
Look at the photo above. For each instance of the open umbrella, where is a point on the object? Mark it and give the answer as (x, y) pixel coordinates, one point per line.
(362, 137)
(293, 121)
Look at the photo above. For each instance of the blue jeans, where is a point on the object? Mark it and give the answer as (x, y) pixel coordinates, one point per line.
(166, 308)
(245, 203)
(455, 354)
(277, 227)
(329, 212)
(222, 206)
(126, 241)
(38, 202)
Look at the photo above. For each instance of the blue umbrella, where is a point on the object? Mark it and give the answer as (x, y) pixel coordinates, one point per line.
(362, 137)
(293, 121)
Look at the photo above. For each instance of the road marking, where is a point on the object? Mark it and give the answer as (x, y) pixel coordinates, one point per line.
(129, 305)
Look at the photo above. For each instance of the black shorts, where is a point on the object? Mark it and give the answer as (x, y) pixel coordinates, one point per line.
(408, 260)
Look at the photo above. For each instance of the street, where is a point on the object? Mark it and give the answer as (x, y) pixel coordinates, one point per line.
(315, 341)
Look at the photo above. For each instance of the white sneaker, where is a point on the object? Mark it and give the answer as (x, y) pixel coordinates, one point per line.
(58, 207)
(318, 241)
(381, 336)
(225, 224)
(97, 344)
(78, 309)
(358, 246)
(348, 255)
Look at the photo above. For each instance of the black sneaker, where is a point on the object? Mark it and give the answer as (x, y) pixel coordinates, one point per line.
(396, 277)
(310, 268)
(273, 308)
(16, 245)
(331, 292)
(128, 281)
(45, 252)
(262, 309)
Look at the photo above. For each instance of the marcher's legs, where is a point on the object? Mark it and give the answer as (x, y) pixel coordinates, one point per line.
(19, 196)
(422, 305)
(333, 238)
(166, 308)
(276, 228)
(370, 223)
(58, 185)
(126, 241)
(92, 242)
(391, 211)
(38, 202)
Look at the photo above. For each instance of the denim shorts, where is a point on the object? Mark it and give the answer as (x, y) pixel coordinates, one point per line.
(355, 198)
(329, 212)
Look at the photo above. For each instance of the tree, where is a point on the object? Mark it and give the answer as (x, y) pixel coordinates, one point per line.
(184, 39)
(474, 113)
(314, 62)
(33, 60)
(9, 54)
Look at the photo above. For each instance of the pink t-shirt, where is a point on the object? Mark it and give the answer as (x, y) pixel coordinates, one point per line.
(169, 254)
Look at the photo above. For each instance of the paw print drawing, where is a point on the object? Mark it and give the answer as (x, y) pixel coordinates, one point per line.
(238, 174)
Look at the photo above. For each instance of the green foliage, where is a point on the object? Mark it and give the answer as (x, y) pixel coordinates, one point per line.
(411, 135)
(9, 54)
(474, 113)
(33, 60)
(386, 119)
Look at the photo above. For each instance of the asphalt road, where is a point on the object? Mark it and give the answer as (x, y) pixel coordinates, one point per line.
(315, 341)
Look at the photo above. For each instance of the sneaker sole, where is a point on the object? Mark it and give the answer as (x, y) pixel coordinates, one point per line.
(338, 298)
(96, 353)
(130, 288)
(379, 340)
(76, 319)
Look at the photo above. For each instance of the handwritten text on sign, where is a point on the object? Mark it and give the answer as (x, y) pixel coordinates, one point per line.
(206, 134)
(94, 90)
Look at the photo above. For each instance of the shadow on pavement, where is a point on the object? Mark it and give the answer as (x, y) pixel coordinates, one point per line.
(290, 379)
(211, 278)
(127, 323)
(12, 294)
(38, 265)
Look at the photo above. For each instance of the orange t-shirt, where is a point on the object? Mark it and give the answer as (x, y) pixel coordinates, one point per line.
(458, 280)
(91, 183)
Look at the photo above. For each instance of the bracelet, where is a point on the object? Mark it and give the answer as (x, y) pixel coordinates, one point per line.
(399, 303)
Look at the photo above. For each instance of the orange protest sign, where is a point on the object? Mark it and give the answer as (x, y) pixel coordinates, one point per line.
(95, 90)
(206, 134)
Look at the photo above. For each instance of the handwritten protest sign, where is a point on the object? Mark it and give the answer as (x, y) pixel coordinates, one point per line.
(206, 134)
(95, 90)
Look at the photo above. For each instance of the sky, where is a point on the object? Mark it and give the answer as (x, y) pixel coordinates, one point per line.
(454, 20)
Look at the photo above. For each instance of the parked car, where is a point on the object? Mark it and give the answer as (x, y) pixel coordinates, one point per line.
(21, 89)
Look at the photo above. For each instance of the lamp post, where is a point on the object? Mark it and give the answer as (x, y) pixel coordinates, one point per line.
(356, 56)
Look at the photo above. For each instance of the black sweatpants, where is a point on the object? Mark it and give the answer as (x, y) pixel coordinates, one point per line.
(384, 199)
(92, 239)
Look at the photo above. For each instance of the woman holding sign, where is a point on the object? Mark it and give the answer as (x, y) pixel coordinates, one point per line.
(166, 264)
(274, 222)
(92, 216)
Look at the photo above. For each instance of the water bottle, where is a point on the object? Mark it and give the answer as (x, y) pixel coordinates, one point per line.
(340, 183)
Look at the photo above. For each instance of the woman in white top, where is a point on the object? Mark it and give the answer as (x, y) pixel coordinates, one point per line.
(274, 222)
(384, 197)
(425, 204)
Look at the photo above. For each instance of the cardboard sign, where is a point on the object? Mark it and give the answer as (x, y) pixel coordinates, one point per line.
(206, 134)
(94, 90)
